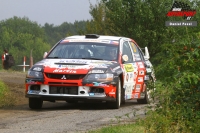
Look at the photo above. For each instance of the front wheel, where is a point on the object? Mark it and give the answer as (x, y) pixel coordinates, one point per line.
(117, 103)
(35, 103)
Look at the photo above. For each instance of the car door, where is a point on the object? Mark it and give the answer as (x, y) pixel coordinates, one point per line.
(130, 70)
(140, 62)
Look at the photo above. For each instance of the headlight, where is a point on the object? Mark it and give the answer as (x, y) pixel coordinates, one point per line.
(35, 72)
(100, 77)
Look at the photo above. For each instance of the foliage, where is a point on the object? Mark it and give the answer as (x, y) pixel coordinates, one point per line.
(56, 33)
(179, 91)
(20, 36)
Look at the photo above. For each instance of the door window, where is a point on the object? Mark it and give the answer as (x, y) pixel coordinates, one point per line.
(136, 51)
(127, 51)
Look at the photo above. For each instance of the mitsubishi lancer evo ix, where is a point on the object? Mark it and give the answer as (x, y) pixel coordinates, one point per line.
(91, 67)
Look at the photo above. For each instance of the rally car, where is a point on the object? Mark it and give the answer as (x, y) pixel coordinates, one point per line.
(110, 69)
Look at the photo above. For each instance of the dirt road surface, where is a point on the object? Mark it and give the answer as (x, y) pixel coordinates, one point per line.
(59, 117)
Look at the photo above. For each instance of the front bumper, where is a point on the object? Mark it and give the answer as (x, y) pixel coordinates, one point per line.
(70, 98)
(49, 92)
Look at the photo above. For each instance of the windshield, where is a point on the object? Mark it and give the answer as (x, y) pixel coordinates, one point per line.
(85, 50)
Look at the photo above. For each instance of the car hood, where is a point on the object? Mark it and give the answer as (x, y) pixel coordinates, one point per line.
(78, 66)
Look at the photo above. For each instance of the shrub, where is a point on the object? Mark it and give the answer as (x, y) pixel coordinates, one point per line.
(178, 89)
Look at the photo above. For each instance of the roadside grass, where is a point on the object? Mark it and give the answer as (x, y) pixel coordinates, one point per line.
(6, 97)
(164, 116)
(125, 128)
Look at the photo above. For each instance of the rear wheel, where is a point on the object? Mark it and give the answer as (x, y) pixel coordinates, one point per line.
(35, 103)
(148, 91)
(145, 100)
(117, 103)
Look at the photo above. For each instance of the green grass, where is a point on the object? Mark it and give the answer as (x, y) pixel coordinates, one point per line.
(125, 128)
(6, 97)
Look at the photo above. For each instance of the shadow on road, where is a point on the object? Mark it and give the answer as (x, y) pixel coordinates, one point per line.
(62, 105)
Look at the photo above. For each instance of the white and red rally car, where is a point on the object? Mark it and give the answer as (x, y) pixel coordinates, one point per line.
(91, 67)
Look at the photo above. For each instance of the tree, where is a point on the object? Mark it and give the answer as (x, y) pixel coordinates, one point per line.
(20, 36)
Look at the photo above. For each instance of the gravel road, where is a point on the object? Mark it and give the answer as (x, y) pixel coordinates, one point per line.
(60, 117)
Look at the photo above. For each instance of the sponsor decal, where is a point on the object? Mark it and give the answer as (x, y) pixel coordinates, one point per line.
(148, 70)
(134, 47)
(141, 72)
(69, 66)
(141, 66)
(91, 94)
(99, 84)
(30, 82)
(137, 88)
(111, 92)
(74, 61)
(131, 75)
(114, 69)
(99, 93)
(140, 79)
(146, 77)
(136, 95)
(37, 69)
(63, 71)
(34, 91)
(101, 62)
(128, 96)
(129, 88)
(129, 67)
(101, 66)
(96, 71)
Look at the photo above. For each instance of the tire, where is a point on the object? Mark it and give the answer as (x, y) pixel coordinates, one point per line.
(147, 99)
(35, 103)
(117, 103)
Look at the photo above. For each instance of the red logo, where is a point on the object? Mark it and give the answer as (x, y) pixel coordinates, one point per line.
(180, 9)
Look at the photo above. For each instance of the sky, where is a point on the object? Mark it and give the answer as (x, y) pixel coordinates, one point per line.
(47, 11)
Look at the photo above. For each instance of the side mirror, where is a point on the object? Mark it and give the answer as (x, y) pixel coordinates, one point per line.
(146, 54)
(45, 54)
(124, 58)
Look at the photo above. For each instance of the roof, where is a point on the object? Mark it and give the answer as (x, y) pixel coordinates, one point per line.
(101, 37)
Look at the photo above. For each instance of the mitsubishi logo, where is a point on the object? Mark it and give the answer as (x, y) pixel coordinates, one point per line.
(63, 77)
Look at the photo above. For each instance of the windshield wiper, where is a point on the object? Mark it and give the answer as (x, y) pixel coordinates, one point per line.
(53, 57)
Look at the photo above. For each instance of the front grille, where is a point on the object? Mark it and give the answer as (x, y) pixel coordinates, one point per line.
(73, 90)
(65, 76)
